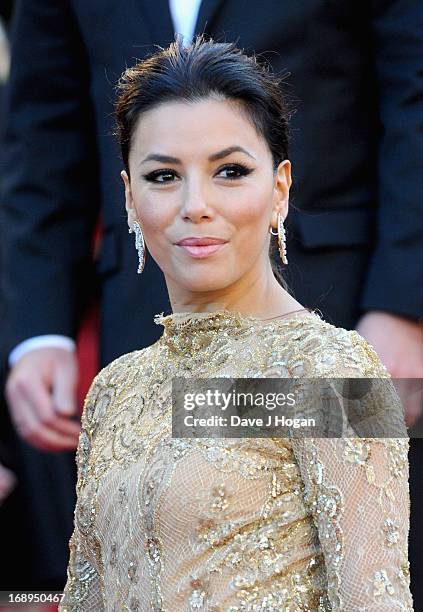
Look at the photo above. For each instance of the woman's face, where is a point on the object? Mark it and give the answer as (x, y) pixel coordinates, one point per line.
(202, 188)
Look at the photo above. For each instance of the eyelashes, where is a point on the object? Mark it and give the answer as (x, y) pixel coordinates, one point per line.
(240, 169)
(152, 177)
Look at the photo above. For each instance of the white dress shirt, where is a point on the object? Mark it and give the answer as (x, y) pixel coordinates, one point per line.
(184, 15)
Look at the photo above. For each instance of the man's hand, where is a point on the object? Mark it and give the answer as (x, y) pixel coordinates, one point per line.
(7, 482)
(399, 344)
(41, 392)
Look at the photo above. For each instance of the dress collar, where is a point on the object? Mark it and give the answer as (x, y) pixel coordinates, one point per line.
(190, 332)
(186, 332)
(178, 321)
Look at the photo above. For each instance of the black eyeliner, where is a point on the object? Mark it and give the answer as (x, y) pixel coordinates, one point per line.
(242, 169)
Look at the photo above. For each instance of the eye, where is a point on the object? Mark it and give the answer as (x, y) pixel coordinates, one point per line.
(166, 175)
(153, 177)
(236, 171)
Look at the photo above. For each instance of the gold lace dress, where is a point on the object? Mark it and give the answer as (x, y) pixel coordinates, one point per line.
(212, 524)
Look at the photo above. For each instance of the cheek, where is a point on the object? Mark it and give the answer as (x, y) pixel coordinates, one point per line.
(155, 216)
(251, 213)
(155, 223)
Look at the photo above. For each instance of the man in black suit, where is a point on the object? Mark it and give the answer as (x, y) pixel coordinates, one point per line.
(354, 236)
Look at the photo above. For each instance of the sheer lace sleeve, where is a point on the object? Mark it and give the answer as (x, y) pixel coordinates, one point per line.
(83, 589)
(357, 490)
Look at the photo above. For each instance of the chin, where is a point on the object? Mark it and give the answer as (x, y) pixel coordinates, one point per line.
(200, 282)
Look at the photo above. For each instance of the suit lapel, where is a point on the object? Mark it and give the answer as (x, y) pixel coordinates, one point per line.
(159, 21)
(207, 14)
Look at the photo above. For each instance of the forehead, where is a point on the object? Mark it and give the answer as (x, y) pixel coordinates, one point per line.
(206, 125)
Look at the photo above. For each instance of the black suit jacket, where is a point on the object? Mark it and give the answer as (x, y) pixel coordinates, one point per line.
(357, 147)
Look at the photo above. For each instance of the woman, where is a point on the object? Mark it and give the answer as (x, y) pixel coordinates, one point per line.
(173, 524)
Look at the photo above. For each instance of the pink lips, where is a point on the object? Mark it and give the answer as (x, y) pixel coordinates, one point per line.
(201, 247)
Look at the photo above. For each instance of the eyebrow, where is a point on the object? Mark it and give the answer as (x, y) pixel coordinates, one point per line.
(167, 159)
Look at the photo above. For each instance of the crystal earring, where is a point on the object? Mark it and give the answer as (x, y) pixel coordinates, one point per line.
(139, 245)
(280, 233)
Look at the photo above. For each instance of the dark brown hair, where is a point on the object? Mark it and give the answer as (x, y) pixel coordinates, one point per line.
(206, 69)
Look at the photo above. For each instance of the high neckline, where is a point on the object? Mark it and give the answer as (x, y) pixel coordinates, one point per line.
(190, 331)
(222, 316)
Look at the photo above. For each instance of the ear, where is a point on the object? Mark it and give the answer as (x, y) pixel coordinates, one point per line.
(129, 202)
(282, 185)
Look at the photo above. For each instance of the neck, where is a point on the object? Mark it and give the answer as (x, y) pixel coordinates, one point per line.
(258, 295)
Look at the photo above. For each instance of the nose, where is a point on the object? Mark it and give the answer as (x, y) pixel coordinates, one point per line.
(195, 205)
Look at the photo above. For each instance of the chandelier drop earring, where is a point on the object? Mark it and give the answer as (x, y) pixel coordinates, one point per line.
(139, 245)
(280, 233)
